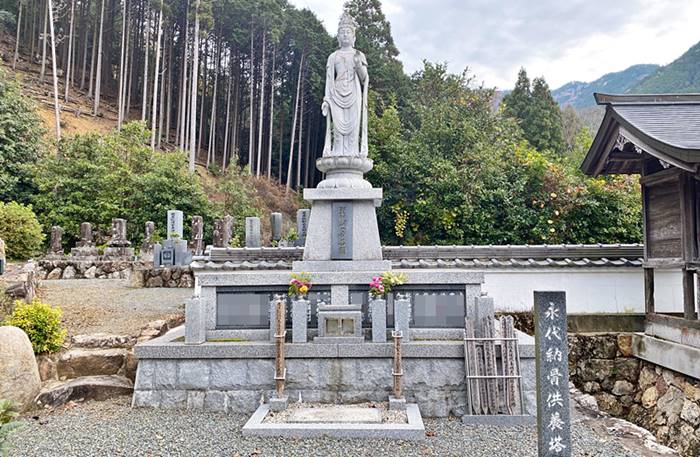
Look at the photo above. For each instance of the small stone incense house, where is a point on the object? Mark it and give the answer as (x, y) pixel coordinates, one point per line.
(658, 138)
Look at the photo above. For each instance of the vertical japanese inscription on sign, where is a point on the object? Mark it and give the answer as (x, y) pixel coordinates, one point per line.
(553, 415)
(341, 231)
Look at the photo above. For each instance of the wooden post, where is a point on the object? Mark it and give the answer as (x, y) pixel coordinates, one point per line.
(649, 290)
(689, 294)
(398, 371)
(280, 371)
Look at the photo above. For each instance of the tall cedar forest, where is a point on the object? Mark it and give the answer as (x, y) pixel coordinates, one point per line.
(237, 85)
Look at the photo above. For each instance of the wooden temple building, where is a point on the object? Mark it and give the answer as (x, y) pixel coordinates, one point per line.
(658, 138)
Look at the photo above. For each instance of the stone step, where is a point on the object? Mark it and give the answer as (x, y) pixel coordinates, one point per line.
(102, 340)
(57, 393)
(79, 362)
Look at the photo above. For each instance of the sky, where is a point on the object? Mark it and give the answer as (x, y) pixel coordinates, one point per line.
(562, 40)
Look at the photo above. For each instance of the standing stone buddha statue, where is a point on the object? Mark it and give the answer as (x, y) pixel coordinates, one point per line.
(345, 99)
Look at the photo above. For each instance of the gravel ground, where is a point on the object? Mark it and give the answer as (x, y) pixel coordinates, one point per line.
(112, 428)
(110, 305)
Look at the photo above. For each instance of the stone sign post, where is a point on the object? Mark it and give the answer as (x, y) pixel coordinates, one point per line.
(56, 240)
(175, 227)
(197, 235)
(218, 237)
(276, 226)
(252, 232)
(228, 230)
(553, 414)
(302, 225)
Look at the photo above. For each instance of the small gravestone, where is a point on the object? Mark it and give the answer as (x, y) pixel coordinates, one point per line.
(3, 260)
(341, 231)
(228, 230)
(218, 240)
(175, 227)
(551, 356)
(302, 225)
(86, 246)
(197, 235)
(276, 226)
(147, 246)
(173, 251)
(56, 241)
(252, 232)
(118, 245)
(85, 235)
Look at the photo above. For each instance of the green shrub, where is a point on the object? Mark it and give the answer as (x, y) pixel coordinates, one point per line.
(20, 230)
(21, 143)
(41, 323)
(96, 177)
(7, 424)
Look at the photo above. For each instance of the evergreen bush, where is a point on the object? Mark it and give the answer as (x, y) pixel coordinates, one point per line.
(41, 323)
(20, 230)
(7, 424)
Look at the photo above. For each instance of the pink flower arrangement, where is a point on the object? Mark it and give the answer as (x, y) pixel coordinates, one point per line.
(300, 284)
(376, 288)
(381, 285)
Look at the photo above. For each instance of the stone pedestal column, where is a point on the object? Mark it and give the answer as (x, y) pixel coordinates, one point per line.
(377, 308)
(402, 316)
(343, 234)
(300, 316)
(195, 321)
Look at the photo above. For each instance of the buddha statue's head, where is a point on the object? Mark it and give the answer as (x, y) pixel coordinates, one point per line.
(346, 31)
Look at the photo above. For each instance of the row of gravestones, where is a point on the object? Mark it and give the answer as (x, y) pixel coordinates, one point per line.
(175, 250)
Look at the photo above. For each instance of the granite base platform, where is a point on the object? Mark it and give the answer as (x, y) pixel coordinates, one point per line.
(414, 430)
(232, 376)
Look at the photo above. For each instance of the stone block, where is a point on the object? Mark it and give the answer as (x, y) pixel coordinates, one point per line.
(173, 399)
(145, 375)
(193, 374)
(90, 362)
(378, 312)
(228, 374)
(300, 310)
(215, 401)
(146, 399)
(242, 401)
(260, 373)
(165, 374)
(195, 400)
(278, 404)
(397, 404)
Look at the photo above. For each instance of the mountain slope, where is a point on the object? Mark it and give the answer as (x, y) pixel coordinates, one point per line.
(680, 76)
(580, 94)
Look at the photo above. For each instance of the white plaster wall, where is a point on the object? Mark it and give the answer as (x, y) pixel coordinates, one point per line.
(588, 290)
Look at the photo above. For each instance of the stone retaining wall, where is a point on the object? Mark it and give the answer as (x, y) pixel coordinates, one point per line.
(69, 268)
(660, 400)
(163, 277)
(141, 273)
(236, 385)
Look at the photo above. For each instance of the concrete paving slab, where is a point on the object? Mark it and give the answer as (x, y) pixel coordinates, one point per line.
(413, 431)
(336, 414)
